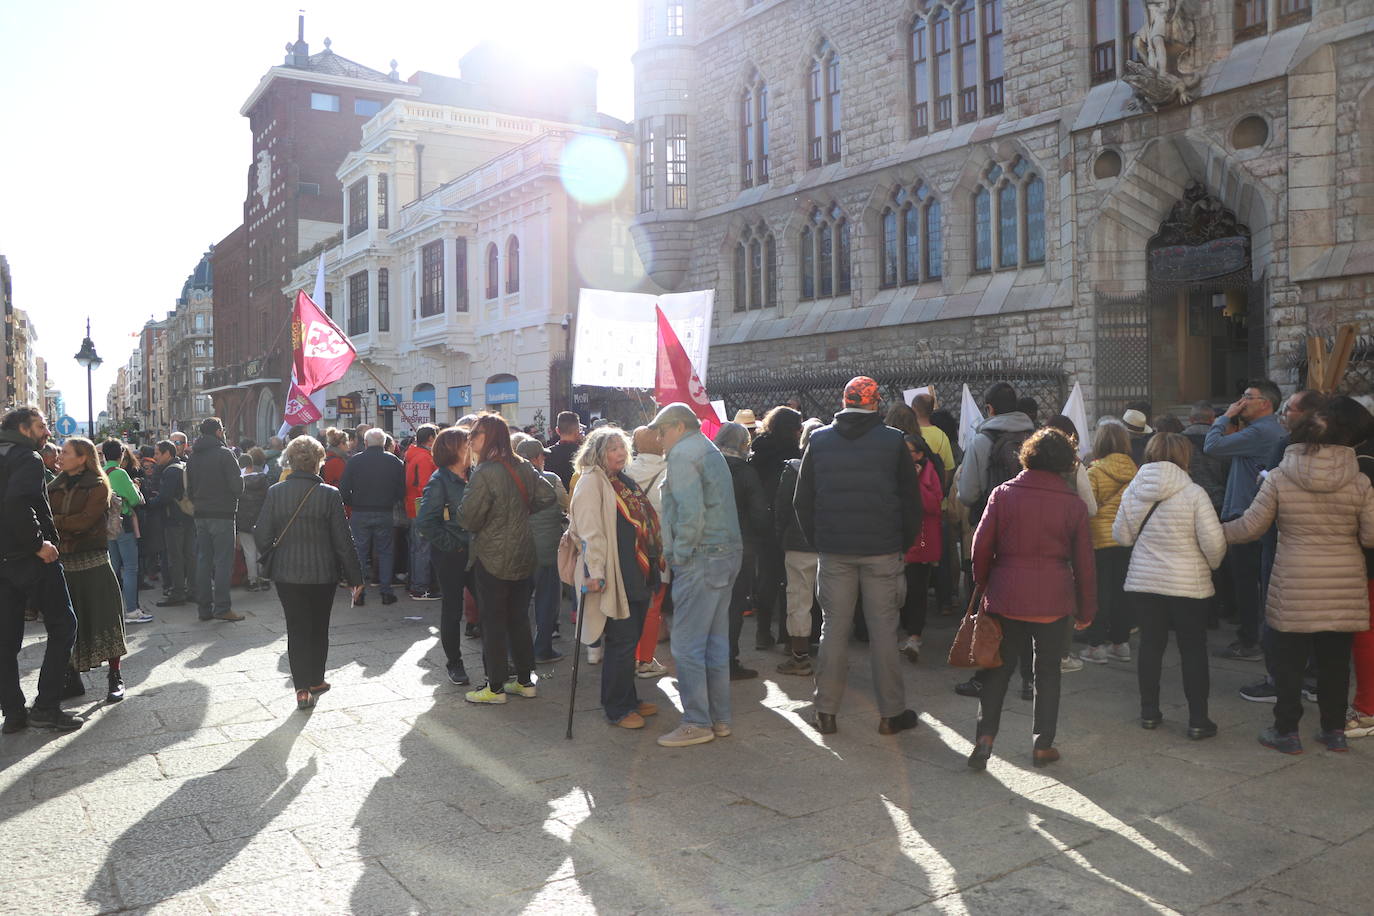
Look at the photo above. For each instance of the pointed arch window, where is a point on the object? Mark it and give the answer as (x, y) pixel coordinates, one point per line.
(513, 265)
(825, 254)
(493, 271)
(753, 135)
(756, 270)
(823, 107)
(1009, 217)
(911, 237)
(808, 263)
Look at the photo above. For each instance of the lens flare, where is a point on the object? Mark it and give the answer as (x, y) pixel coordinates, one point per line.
(593, 169)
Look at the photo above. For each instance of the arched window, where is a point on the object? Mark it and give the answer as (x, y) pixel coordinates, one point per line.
(1009, 217)
(493, 276)
(823, 107)
(911, 237)
(756, 270)
(753, 135)
(946, 42)
(513, 265)
(825, 254)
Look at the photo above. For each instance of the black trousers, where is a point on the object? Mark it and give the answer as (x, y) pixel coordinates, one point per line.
(503, 606)
(1187, 617)
(1023, 659)
(1332, 654)
(1113, 621)
(452, 568)
(740, 595)
(1246, 566)
(1047, 639)
(181, 560)
(307, 609)
(770, 587)
(914, 606)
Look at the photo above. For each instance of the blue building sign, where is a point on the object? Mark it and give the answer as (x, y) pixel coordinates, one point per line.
(460, 396)
(503, 392)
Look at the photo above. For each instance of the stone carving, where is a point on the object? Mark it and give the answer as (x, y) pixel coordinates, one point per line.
(264, 184)
(1166, 71)
(1198, 217)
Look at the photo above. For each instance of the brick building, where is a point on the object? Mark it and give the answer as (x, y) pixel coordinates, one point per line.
(305, 115)
(1045, 183)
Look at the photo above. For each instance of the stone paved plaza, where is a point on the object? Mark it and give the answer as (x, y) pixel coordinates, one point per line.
(207, 792)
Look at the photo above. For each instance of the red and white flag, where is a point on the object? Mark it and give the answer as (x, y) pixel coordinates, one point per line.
(321, 352)
(676, 380)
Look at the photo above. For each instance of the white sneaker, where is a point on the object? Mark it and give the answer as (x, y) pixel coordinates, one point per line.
(1120, 652)
(137, 615)
(1095, 654)
(685, 735)
(1357, 724)
(650, 669)
(1069, 664)
(911, 648)
(594, 654)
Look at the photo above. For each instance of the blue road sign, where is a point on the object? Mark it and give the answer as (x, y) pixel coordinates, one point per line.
(66, 426)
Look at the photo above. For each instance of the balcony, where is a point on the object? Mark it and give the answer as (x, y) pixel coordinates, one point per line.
(242, 375)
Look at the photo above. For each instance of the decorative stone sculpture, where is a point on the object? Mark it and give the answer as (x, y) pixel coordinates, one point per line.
(1165, 45)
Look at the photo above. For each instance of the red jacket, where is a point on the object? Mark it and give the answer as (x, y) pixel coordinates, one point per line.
(928, 546)
(1033, 551)
(419, 468)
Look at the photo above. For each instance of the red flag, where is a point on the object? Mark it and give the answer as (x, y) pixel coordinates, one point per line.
(678, 381)
(321, 353)
(300, 410)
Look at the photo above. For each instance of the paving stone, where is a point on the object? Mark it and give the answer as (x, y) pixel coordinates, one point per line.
(353, 887)
(1261, 900)
(1312, 881)
(1041, 888)
(148, 879)
(1323, 795)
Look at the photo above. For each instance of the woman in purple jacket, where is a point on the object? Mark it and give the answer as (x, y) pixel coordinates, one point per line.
(1033, 557)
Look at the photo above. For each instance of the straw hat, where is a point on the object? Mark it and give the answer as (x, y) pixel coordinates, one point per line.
(745, 417)
(1135, 422)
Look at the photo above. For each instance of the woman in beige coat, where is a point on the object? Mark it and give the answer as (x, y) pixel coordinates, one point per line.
(617, 531)
(1317, 596)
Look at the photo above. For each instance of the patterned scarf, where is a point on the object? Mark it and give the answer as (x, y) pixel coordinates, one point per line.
(635, 508)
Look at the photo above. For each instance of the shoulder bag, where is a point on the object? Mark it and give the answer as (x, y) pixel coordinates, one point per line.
(978, 643)
(267, 553)
(519, 484)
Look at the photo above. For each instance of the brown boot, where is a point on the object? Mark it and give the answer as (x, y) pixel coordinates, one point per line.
(799, 661)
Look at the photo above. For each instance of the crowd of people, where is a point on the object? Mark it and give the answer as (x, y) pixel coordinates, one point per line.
(819, 531)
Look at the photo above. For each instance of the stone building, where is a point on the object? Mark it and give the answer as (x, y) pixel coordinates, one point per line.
(1157, 199)
(191, 348)
(25, 367)
(471, 218)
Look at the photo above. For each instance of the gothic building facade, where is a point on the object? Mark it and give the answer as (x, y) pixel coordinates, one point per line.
(1155, 198)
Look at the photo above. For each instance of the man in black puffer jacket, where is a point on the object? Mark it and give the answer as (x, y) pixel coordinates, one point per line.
(858, 501)
(214, 484)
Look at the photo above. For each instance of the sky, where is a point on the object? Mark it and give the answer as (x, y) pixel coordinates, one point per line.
(126, 157)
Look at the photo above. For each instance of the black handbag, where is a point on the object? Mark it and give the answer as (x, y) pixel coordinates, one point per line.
(267, 553)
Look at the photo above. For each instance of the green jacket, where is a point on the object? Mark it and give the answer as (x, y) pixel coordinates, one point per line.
(437, 519)
(124, 487)
(497, 512)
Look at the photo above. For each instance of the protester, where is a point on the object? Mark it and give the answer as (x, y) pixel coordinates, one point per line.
(182, 444)
(1176, 541)
(502, 492)
(1167, 423)
(1078, 480)
(701, 541)
(214, 486)
(1032, 554)
(1031, 408)
(81, 503)
(922, 556)
(438, 521)
(923, 405)
(858, 501)
(373, 482)
(419, 464)
(124, 547)
(1355, 420)
(1318, 594)
(1207, 471)
(646, 468)
(336, 454)
(801, 561)
(547, 527)
(1138, 430)
(773, 446)
(178, 527)
(1110, 473)
(562, 452)
(1246, 434)
(255, 484)
(303, 524)
(751, 506)
(619, 567)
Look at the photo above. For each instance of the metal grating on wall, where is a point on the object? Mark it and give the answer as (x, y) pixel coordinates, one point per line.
(1122, 341)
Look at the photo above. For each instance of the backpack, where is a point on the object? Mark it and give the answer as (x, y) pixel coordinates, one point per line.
(183, 502)
(114, 517)
(1004, 463)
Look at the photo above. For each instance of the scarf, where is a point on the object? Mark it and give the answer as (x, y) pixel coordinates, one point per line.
(634, 507)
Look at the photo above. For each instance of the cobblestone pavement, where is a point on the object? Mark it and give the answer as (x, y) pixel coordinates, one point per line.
(207, 792)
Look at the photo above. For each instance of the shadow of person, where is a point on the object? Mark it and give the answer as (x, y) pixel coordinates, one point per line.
(223, 643)
(253, 781)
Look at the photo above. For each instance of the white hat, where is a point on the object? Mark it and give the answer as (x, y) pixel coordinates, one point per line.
(1135, 421)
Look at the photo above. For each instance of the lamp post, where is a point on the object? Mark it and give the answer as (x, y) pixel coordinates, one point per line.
(86, 358)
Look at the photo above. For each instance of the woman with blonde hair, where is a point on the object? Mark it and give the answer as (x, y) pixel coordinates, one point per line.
(619, 568)
(80, 499)
(1112, 470)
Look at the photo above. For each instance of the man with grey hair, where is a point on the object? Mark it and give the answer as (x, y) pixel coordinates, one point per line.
(701, 540)
(373, 481)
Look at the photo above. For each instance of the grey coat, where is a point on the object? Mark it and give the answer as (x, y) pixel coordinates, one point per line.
(318, 547)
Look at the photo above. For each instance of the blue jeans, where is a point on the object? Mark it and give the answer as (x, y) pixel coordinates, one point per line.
(618, 696)
(215, 543)
(548, 595)
(124, 559)
(372, 529)
(701, 635)
(420, 573)
(22, 582)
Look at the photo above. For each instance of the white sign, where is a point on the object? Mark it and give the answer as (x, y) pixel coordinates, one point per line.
(415, 413)
(617, 335)
(719, 408)
(1075, 411)
(910, 394)
(969, 418)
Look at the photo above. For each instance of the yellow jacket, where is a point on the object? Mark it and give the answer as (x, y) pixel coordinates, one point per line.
(1109, 477)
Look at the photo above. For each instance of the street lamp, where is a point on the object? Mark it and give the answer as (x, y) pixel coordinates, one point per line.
(88, 360)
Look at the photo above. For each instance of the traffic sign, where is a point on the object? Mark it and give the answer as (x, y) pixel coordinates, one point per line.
(66, 426)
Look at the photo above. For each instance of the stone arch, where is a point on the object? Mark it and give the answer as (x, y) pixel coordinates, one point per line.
(267, 417)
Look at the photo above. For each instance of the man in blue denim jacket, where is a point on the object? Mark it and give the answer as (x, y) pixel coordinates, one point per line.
(701, 540)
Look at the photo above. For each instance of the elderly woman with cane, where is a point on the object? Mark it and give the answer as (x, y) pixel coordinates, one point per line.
(619, 569)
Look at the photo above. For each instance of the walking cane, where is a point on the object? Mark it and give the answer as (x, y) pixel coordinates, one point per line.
(577, 655)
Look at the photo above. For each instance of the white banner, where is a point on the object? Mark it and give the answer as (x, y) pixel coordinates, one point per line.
(617, 335)
(969, 417)
(1075, 411)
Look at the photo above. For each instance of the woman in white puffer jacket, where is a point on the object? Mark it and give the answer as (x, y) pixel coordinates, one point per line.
(1178, 542)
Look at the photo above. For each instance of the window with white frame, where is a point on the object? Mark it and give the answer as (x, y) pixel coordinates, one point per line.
(1008, 217)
